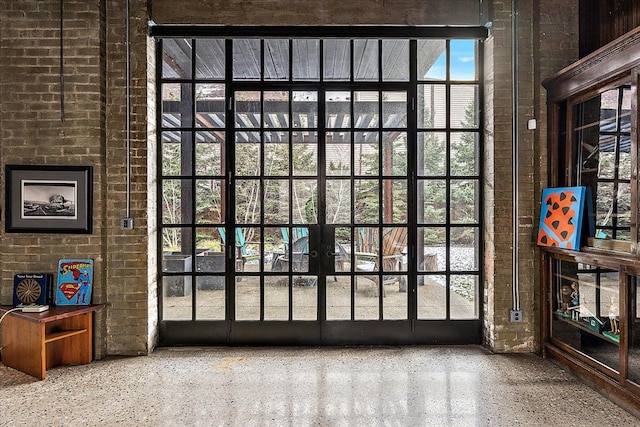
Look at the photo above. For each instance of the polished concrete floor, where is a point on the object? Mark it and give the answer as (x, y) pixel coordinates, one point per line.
(336, 386)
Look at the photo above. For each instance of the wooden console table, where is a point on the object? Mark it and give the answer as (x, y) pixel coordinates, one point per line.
(35, 342)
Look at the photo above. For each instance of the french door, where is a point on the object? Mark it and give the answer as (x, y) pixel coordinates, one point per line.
(318, 191)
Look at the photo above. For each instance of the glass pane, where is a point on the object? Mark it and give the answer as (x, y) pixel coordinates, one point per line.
(338, 201)
(276, 109)
(394, 205)
(365, 60)
(464, 201)
(247, 249)
(176, 58)
(210, 298)
(464, 106)
(432, 154)
(625, 111)
(247, 298)
(394, 249)
(464, 153)
(432, 201)
(624, 205)
(209, 201)
(395, 60)
(342, 251)
(464, 296)
(274, 250)
(633, 364)
(305, 298)
(276, 201)
(604, 204)
(276, 154)
(624, 164)
(339, 299)
(247, 158)
(247, 109)
(366, 109)
(247, 203)
(432, 246)
(464, 249)
(209, 153)
(176, 201)
(367, 201)
(366, 256)
(210, 250)
(276, 59)
(337, 59)
(304, 201)
(366, 300)
(210, 59)
(609, 110)
(432, 297)
(432, 60)
(394, 109)
(305, 156)
(171, 157)
(432, 103)
(304, 108)
(395, 301)
(607, 156)
(246, 59)
(276, 298)
(366, 153)
(338, 154)
(176, 241)
(338, 109)
(463, 60)
(394, 153)
(306, 59)
(176, 298)
(210, 105)
(176, 105)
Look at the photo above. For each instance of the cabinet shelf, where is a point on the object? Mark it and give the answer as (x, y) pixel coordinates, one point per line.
(583, 327)
(55, 336)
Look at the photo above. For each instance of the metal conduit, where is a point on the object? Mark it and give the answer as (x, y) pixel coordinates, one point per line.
(515, 151)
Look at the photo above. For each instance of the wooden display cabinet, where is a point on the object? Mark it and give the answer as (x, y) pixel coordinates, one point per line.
(35, 342)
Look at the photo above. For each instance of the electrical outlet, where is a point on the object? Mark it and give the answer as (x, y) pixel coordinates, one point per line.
(515, 315)
(126, 223)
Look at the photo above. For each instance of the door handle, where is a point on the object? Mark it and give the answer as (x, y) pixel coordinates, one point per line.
(312, 254)
(329, 253)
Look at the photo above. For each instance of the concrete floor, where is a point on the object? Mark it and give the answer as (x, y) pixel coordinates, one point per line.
(334, 386)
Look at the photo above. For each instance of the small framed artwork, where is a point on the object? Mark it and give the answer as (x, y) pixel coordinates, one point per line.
(48, 199)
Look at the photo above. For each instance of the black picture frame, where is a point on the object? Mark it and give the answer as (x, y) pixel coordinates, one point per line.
(48, 199)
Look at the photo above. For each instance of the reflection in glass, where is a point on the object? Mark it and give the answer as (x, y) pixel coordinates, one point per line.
(633, 363)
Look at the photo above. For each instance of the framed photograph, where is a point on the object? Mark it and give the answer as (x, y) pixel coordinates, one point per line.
(48, 199)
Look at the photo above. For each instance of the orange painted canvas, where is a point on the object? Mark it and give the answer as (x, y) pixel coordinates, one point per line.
(561, 217)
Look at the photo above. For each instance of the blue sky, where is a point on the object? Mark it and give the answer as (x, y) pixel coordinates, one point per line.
(462, 61)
